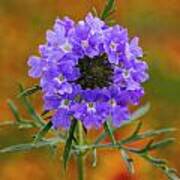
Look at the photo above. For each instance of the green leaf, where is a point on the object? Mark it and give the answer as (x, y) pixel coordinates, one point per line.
(111, 22)
(152, 146)
(140, 112)
(162, 165)
(136, 131)
(24, 124)
(45, 112)
(156, 160)
(108, 130)
(128, 161)
(30, 146)
(14, 110)
(69, 141)
(108, 9)
(35, 116)
(151, 133)
(42, 132)
(161, 144)
(19, 147)
(29, 91)
(19, 120)
(146, 134)
(94, 11)
(94, 163)
(135, 116)
(133, 136)
(7, 123)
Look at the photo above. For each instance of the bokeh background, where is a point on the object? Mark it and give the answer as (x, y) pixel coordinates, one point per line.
(23, 24)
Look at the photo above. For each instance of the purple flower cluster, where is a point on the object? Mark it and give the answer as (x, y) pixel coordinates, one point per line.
(89, 71)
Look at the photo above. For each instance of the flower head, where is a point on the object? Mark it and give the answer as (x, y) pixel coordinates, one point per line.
(89, 71)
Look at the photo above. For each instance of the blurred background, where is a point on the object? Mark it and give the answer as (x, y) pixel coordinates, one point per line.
(23, 24)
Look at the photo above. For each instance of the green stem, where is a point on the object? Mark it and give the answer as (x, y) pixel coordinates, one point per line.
(80, 158)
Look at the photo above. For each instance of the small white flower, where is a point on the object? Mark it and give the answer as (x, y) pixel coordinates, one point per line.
(64, 104)
(85, 43)
(66, 47)
(91, 107)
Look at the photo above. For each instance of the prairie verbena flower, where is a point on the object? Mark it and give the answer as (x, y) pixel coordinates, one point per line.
(89, 71)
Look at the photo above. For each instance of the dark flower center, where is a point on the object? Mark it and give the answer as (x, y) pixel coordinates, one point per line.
(95, 72)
